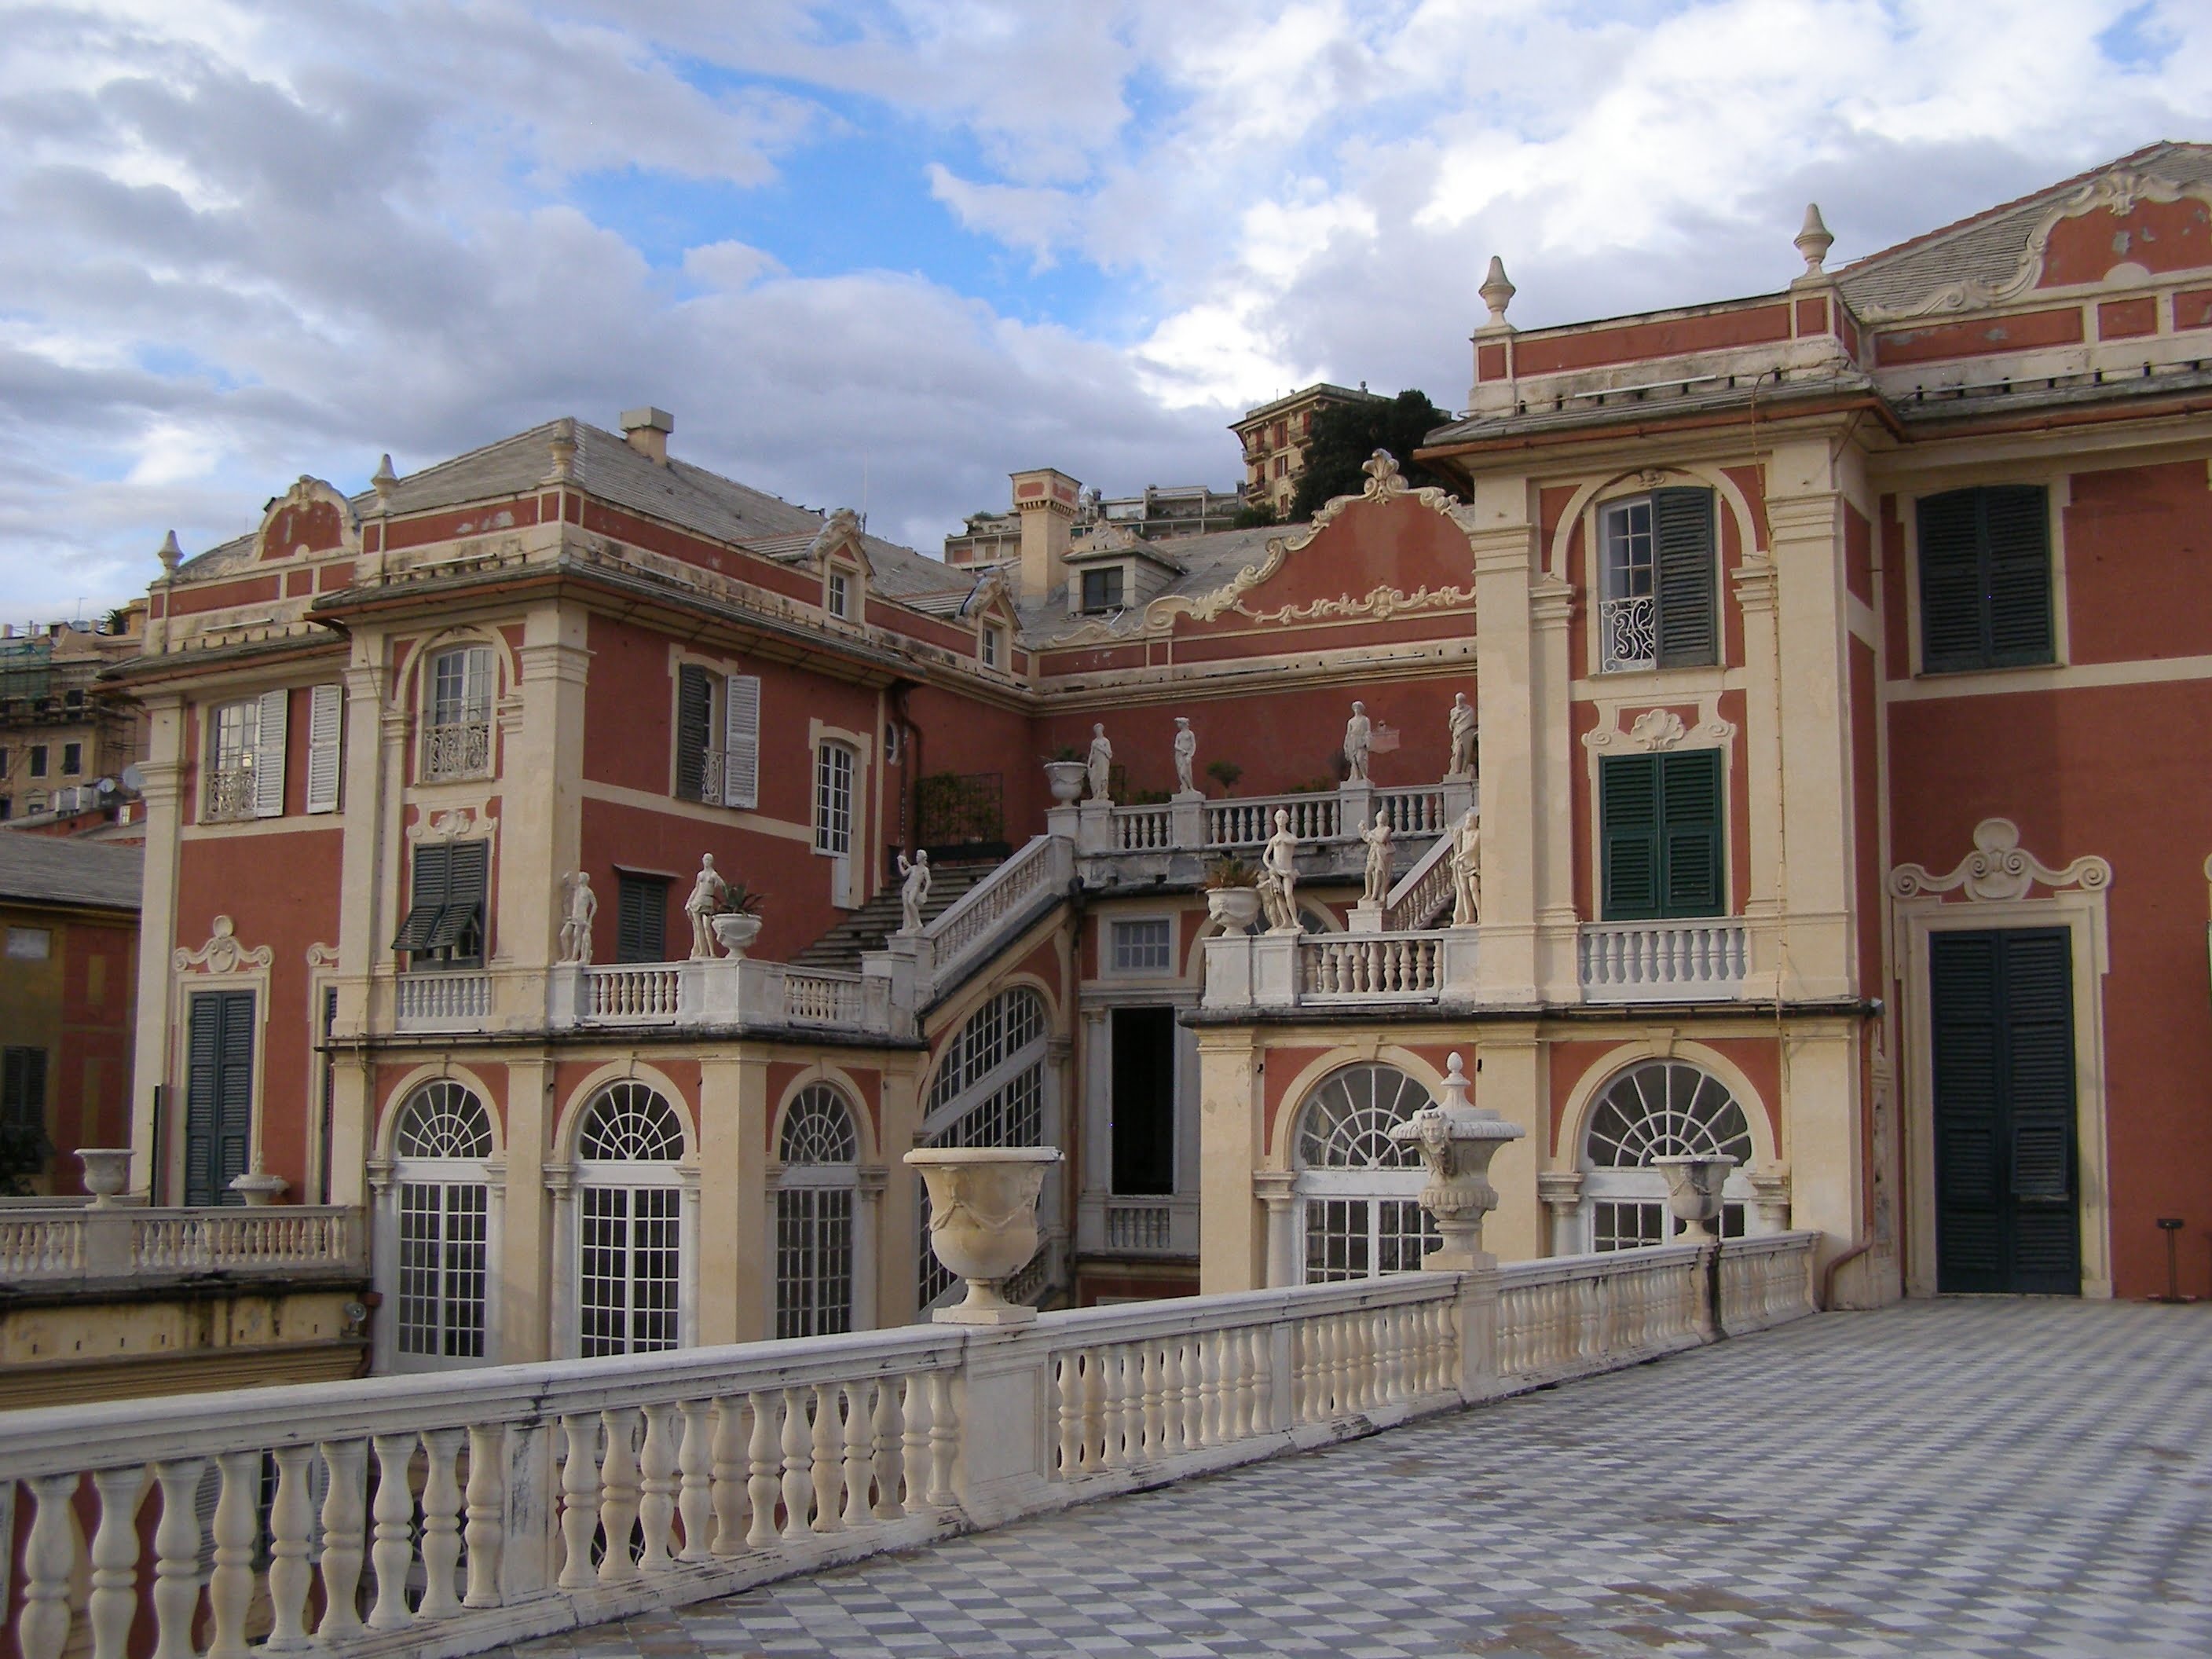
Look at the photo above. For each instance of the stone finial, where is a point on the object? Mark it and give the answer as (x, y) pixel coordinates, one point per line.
(563, 446)
(1497, 292)
(384, 481)
(170, 554)
(1814, 241)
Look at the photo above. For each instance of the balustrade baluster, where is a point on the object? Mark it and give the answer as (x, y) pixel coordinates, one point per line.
(113, 1600)
(859, 1464)
(697, 1479)
(237, 1530)
(344, 1517)
(764, 1464)
(798, 1463)
(1149, 1361)
(441, 1524)
(393, 1551)
(580, 1499)
(915, 1443)
(485, 1533)
(42, 1627)
(1068, 1411)
(827, 1453)
(1198, 1390)
(1260, 1341)
(656, 1507)
(944, 1428)
(1116, 1434)
(176, 1556)
(1093, 1403)
(729, 1470)
(618, 1495)
(886, 1457)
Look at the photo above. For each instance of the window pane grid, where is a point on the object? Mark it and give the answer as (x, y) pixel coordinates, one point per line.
(833, 798)
(442, 1268)
(1139, 946)
(813, 1261)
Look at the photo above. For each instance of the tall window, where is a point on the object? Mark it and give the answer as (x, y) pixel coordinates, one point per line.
(1658, 605)
(38, 759)
(23, 1107)
(1658, 1109)
(72, 760)
(988, 1091)
(629, 1256)
(445, 924)
(1358, 1190)
(717, 737)
(1985, 579)
(439, 1148)
(218, 1094)
(839, 595)
(245, 773)
(820, 1150)
(641, 917)
(833, 798)
(457, 713)
(1660, 826)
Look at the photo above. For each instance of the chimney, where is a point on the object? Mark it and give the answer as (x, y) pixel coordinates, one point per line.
(647, 430)
(1047, 499)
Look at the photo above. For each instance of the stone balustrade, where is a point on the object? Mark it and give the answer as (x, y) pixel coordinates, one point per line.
(724, 993)
(1664, 961)
(1297, 970)
(58, 1247)
(450, 1513)
(460, 1000)
(1177, 841)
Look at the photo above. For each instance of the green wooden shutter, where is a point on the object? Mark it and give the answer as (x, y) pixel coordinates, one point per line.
(1690, 834)
(1689, 613)
(23, 1094)
(2038, 1076)
(1628, 818)
(202, 1077)
(2016, 550)
(694, 707)
(1950, 582)
(641, 918)
(426, 897)
(459, 926)
(218, 1094)
(234, 1127)
(1963, 1006)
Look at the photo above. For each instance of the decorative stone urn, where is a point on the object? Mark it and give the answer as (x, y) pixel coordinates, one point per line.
(1067, 777)
(106, 1171)
(258, 1188)
(982, 1222)
(1456, 1141)
(1235, 908)
(1693, 1191)
(735, 932)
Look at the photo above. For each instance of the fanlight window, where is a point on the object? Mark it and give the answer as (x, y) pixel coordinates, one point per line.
(629, 1250)
(443, 1120)
(442, 1193)
(1359, 1212)
(630, 1124)
(819, 1129)
(1658, 1109)
(815, 1220)
(989, 1092)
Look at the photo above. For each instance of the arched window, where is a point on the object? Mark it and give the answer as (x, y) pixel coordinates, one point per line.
(820, 1150)
(630, 1254)
(1658, 1109)
(989, 1092)
(1357, 1189)
(457, 699)
(439, 1147)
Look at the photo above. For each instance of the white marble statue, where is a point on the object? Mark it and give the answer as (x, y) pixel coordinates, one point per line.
(914, 890)
(708, 892)
(1462, 737)
(1185, 754)
(1100, 764)
(1359, 734)
(1378, 860)
(576, 925)
(1279, 876)
(1466, 871)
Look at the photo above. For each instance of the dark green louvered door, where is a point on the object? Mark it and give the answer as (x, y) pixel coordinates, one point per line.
(218, 1094)
(2007, 1216)
(1660, 821)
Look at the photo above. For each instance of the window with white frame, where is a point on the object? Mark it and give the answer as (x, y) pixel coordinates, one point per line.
(245, 768)
(717, 737)
(837, 596)
(1102, 590)
(1658, 605)
(456, 698)
(629, 1253)
(1658, 1109)
(815, 1205)
(1144, 945)
(443, 1194)
(1358, 1191)
(988, 1091)
(991, 645)
(833, 798)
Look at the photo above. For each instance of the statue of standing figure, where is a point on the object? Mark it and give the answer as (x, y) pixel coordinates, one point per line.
(1186, 753)
(1279, 877)
(709, 889)
(1378, 860)
(1466, 871)
(1358, 734)
(576, 924)
(1462, 737)
(1100, 764)
(914, 890)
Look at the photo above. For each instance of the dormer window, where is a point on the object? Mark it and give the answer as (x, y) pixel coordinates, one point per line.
(1102, 590)
(992, 647)
(839, 599)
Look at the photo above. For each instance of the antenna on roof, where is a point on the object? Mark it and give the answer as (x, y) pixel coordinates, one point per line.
(864, 489)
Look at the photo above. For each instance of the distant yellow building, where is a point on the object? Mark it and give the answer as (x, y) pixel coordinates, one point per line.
(1275, 436)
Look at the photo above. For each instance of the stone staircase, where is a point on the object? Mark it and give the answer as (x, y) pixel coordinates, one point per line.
(867, 927)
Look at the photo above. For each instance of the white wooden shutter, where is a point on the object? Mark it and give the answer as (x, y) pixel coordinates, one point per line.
(326, 721)
(741, 741)
(268, 756)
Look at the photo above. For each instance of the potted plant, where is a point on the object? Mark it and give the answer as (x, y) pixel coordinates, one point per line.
(1065, 771)
(1232, 893)
(738, 923)
(1224, 773)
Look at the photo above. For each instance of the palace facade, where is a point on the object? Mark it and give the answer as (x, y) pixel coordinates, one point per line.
(1830, 654)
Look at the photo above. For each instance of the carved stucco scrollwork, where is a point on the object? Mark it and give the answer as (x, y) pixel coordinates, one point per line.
(1657, 729)
(452, 823)
(322, 956)
(1999, 868)
(222, 954)
(841, 529)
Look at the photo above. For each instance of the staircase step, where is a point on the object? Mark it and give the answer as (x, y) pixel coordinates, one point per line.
(867, 929)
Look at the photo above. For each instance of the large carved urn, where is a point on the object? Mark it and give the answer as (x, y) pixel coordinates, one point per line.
(1457, 1142)
(1065, 779)
(735, 932)
(982, 1222)
(106, 1171)
(1693, 1190)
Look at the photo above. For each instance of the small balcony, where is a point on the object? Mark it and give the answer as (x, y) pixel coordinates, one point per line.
(456, 749)
(1629, 630)
(58, 1248)
(724, 993)
(1340, 970)
(1703, 961)
(226, 794)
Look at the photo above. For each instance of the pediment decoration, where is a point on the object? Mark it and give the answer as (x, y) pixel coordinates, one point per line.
(2116, 193)
(994, 591)
(2000, 869)
(1656, 729)
(311, 519)
(451, 823)
(839, 533)
(222, 954)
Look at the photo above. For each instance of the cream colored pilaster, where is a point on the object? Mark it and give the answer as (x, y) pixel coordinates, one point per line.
(1804, 513)
(1555, 755)
(367, 862)
(723, 1169)
(541, 785)
(162, 773)
(1754, 584)
(741, 1271)
(1513, 1079)
(898, 1233)
(1507, 558)
(1233, 1232)
(526, 1234)
(377, 871)
(1821, 1129)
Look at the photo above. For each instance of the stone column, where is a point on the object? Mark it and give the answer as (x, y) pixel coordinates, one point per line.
(741, 1259)
(1507, 556)
(1514, 1081)
(541, 784)
(1556, 755)
(898, 1266)
(1231, 1231)
(1275, 1190)
(163, 772)
(526, 1234)
(724, 1260)
(1561, 1193)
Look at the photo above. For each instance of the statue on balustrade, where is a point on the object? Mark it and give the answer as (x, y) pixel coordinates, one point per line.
(1378, 860)
(1359, 737)
(1279, 877)
(1461, 721)
(914, 890)
(583, 904)
(1466, 871)
(1186, 753)
(1100, 764)
(708, 890)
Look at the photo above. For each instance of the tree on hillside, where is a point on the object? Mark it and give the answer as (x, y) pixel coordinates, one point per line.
(1346, 435)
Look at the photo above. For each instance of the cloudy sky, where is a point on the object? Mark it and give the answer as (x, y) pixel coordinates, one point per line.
(883, 252)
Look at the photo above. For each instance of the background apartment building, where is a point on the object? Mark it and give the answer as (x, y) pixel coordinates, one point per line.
(1274, 438)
